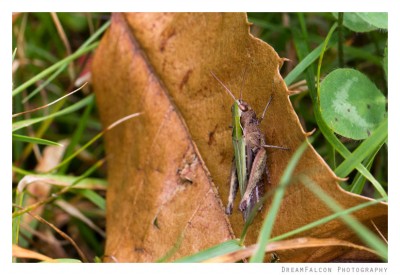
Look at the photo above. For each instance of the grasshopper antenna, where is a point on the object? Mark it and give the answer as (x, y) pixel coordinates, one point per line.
(243, 78)
(223, 85)
(265, 109)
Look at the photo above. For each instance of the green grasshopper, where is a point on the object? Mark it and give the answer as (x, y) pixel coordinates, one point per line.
(250, 160)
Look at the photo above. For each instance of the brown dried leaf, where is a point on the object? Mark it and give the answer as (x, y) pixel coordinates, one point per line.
(163, 165)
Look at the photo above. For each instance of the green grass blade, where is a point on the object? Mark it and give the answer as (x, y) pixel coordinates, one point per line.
(173, 249)
(89, 234)
(77, 152)
(218, 250)
(97, 34)
(266, 24)
(54, 67)
(331, 157)
(17, 220)
(354, 52)
(87, 183)
(14, 53)
(41, 53)
(325, 220)
(361, 168)
(80, 104)
(305, 63)
(92, 196)
(80, 129)
(269, 221)
(366, 148)
(385, 61)
(358, 183)
(363, 232)
(328, 37)
(44, 84)
(340, 39)
(34, 140)
(21, 171)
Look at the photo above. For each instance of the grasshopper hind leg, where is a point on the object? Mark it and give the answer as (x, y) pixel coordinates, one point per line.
(255, 188)
(246, 207)
(234, 185)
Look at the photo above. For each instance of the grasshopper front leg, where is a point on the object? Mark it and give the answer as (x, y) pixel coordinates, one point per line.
(255, 187)
(234, 184)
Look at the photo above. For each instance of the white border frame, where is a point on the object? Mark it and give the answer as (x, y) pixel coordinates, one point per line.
(9, 6)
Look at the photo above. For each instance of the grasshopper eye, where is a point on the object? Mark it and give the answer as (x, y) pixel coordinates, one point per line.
(243, 107)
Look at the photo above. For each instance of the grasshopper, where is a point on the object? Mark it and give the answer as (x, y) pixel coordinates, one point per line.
(250, 159)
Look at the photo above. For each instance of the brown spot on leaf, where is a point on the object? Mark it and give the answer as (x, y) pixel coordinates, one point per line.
(211, 138)
(185, 79)
(187, 169)
(139, 250)
(166, 35)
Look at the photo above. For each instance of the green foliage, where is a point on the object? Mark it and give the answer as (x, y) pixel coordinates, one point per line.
(364, 57)
(377, 19)
(364, 21)
(50, 60)
(72, 108)
(218, 250)
(351, 105)
(385, 63)
(34, 140)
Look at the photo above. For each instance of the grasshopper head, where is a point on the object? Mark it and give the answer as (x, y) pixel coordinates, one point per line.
(243, 106)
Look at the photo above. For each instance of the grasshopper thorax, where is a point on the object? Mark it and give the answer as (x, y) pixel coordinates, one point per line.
(248, 116)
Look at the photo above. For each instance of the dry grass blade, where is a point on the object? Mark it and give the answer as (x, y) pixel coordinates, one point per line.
(297, 88)
(379, 231)
(61, 181)
(49, 104)
(285, 245)
(65, 41)
(62, 234)
(20, 252)
(74, 212)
